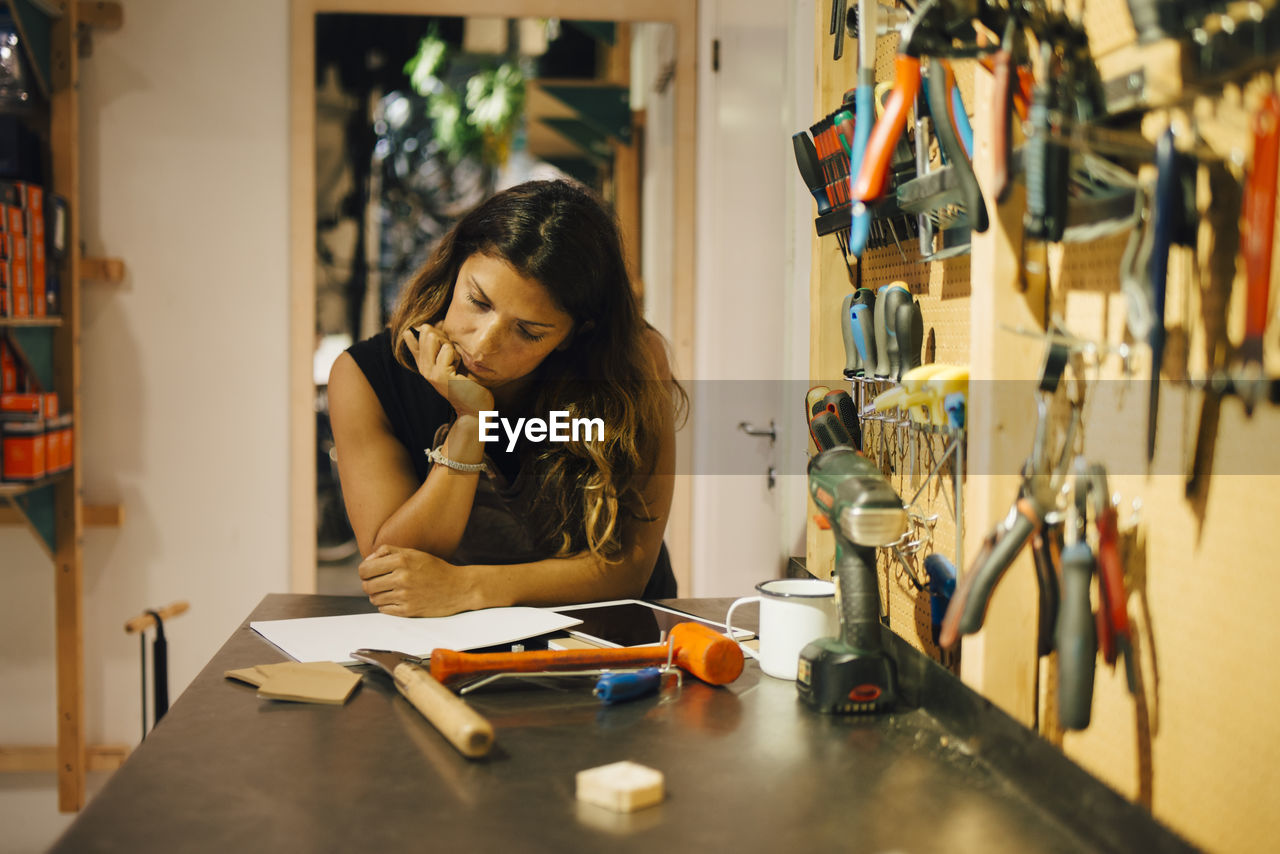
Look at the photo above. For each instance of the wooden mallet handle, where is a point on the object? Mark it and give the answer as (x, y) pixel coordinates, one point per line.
(462, 725)
(144, 621)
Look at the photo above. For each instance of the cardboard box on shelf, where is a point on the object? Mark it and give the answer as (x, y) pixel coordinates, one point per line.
(21, 290)
(24, 450)
(28, 405)
(33, 209)
(8, 368)
(58, 438)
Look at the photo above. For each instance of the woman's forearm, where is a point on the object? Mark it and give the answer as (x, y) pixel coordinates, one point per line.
(435, 515)
(560, 581)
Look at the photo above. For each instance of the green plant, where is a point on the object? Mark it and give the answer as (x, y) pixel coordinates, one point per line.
(477, 118)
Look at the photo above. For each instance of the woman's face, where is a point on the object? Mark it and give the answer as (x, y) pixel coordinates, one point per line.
(502, 324)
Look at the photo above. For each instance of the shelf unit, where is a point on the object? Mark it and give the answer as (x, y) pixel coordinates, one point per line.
(55, 35)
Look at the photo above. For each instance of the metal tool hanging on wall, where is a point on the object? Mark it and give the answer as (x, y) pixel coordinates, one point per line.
(154, 618)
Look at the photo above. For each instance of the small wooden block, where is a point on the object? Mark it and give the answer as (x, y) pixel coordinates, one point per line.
(620, 786)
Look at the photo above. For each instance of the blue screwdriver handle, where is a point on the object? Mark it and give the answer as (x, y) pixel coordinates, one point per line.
(1162, 224)
(963, 125)
(852, 355)
(620, 687)
(865, 112)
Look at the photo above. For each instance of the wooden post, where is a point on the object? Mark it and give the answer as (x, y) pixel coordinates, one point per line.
(64, 141)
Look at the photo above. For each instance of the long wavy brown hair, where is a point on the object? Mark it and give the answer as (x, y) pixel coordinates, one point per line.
(562, 235)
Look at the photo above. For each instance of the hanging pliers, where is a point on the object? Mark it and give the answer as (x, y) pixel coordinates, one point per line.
(1033, 515)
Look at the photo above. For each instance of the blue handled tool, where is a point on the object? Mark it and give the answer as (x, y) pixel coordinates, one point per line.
(1157, 270)
(865, 118)
(963, 126)
(614, 688)
(942, 584)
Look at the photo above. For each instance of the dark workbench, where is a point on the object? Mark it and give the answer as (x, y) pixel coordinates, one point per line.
(748, 768)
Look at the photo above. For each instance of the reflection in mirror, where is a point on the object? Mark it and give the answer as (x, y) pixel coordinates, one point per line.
(419, 118)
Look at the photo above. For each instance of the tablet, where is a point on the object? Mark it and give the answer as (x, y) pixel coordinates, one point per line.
(631, 622)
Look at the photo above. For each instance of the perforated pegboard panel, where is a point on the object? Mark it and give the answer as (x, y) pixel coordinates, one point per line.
(1108, 25)
(1194, 566)
(1198, 743)
(943, 290)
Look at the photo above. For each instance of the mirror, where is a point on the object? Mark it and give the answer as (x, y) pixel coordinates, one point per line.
(391, 168)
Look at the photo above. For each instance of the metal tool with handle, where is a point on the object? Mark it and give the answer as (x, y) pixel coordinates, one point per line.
(1112, 593)
(828, 432)
(888, 299)
(873, 174)
(968, 608)
(909, 331)
(1046, 161)
(864, 334)
(614, 688)
(1158, 269)
(462, 725)
(694, 647)
(1075, 635)
(1257, 234)
(941, 83)
(841, 404)
(810, 166)
(864, 105)
(852, 358)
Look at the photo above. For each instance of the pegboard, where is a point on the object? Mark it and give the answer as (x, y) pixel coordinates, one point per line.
(1108, 25)
(943, 289)
(1197, 744)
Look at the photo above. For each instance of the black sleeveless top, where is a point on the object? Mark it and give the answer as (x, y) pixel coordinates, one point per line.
(496, 531)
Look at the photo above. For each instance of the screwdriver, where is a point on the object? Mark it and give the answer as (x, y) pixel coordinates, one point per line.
(1157, 270)
(942, 585)
(810, 169)
(614, 688)
(852, 358)
(1075, 635)
(864, 334)
(1257, 234)
(870, 182)
(909, 331)
(888, 298)
(864, 105)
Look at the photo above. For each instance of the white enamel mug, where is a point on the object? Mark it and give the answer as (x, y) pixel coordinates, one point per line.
(793, 612)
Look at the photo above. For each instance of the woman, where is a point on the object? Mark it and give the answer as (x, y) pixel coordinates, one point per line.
(525, 309)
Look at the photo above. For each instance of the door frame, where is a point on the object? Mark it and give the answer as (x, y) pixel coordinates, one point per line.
(682, 15)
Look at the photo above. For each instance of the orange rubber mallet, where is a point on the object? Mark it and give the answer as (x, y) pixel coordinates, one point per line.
(695, 648)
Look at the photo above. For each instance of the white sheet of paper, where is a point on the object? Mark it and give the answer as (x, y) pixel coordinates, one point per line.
(335, 638)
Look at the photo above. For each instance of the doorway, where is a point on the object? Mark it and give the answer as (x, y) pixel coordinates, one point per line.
(671, 291)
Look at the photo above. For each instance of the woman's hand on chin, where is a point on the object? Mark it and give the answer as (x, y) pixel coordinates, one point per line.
(438, 361)
(412, 583)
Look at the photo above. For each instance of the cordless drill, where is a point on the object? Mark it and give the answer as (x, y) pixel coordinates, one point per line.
(852, 674)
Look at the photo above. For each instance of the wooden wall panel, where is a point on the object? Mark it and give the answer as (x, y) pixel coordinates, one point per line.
(1198, 743)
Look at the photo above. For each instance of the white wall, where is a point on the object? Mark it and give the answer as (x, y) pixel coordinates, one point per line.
(185, 176)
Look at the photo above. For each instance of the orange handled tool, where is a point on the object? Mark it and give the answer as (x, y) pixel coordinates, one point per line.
(1256, 233)
(693, 647)
(874, 170)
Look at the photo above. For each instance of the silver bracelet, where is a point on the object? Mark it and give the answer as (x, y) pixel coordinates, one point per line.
(437, 456)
